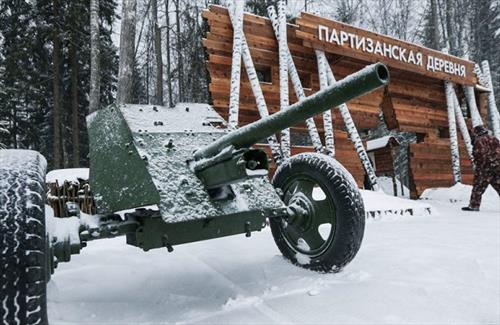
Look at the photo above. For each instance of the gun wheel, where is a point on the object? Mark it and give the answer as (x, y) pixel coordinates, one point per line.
(325, 225)
(24, 276)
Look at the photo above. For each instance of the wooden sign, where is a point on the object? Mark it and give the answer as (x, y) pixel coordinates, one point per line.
(346, 40)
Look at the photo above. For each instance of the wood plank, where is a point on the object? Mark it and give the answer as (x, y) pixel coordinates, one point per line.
(308, 31)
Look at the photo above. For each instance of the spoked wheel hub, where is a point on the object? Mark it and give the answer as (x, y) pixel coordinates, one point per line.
(311, 216)
(325, 222)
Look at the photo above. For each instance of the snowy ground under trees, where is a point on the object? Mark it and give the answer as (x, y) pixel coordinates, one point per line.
(442, 268)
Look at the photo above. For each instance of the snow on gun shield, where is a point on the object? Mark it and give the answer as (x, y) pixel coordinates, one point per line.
(195, 180)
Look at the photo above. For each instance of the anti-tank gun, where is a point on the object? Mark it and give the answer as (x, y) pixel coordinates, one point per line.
(178, 176)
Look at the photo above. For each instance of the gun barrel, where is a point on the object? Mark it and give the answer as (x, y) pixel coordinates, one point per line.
(355, 85)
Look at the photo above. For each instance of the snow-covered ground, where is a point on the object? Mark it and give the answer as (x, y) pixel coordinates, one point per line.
(380, 205)
(387, 186)
(442, 268)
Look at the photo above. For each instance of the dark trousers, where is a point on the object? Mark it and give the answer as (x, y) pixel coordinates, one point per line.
(481, 181)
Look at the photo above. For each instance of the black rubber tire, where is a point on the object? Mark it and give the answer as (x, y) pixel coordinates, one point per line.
(23, 279)
(339, 185)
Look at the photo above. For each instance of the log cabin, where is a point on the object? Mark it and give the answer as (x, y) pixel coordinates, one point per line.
(415, 101)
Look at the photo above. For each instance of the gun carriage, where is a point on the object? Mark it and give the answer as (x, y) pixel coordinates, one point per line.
(178, 175)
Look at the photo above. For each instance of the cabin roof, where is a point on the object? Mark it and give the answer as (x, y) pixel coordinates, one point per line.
(380, 142)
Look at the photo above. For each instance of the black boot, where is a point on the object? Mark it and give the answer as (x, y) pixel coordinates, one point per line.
(470, 209)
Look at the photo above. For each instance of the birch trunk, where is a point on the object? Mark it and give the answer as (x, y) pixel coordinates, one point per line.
(352, 131)
(256, 89)
(480, 75)
(471, 103)
(327, 115)
(95, 78)
(452, 126)
(463, 128)
(56, 83)
(297, 85)
(234, 97)
(158, 97)
(126, 64)
(493, 114)
(283, 64)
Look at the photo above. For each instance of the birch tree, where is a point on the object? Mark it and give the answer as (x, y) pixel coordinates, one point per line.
(297, 84)
(234, 95)
(452, 127)
(283, 73)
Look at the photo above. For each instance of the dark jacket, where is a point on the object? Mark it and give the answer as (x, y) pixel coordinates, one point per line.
(486, 149)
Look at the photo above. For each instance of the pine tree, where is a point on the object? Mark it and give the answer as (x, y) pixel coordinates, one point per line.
(26, 78)
(18, 75)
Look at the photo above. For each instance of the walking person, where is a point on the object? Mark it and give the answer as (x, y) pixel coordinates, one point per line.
(486, 153)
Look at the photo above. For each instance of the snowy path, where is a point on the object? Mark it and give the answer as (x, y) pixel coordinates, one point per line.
(442, 269)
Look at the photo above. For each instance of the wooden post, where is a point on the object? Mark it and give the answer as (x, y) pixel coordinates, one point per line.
(452, 126)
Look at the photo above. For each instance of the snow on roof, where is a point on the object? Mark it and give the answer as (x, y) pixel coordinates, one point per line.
(68, 174)
(379, 142)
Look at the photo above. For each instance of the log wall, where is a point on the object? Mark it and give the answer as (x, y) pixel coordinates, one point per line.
(412, 102)
(384, 161)
(430, 165)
